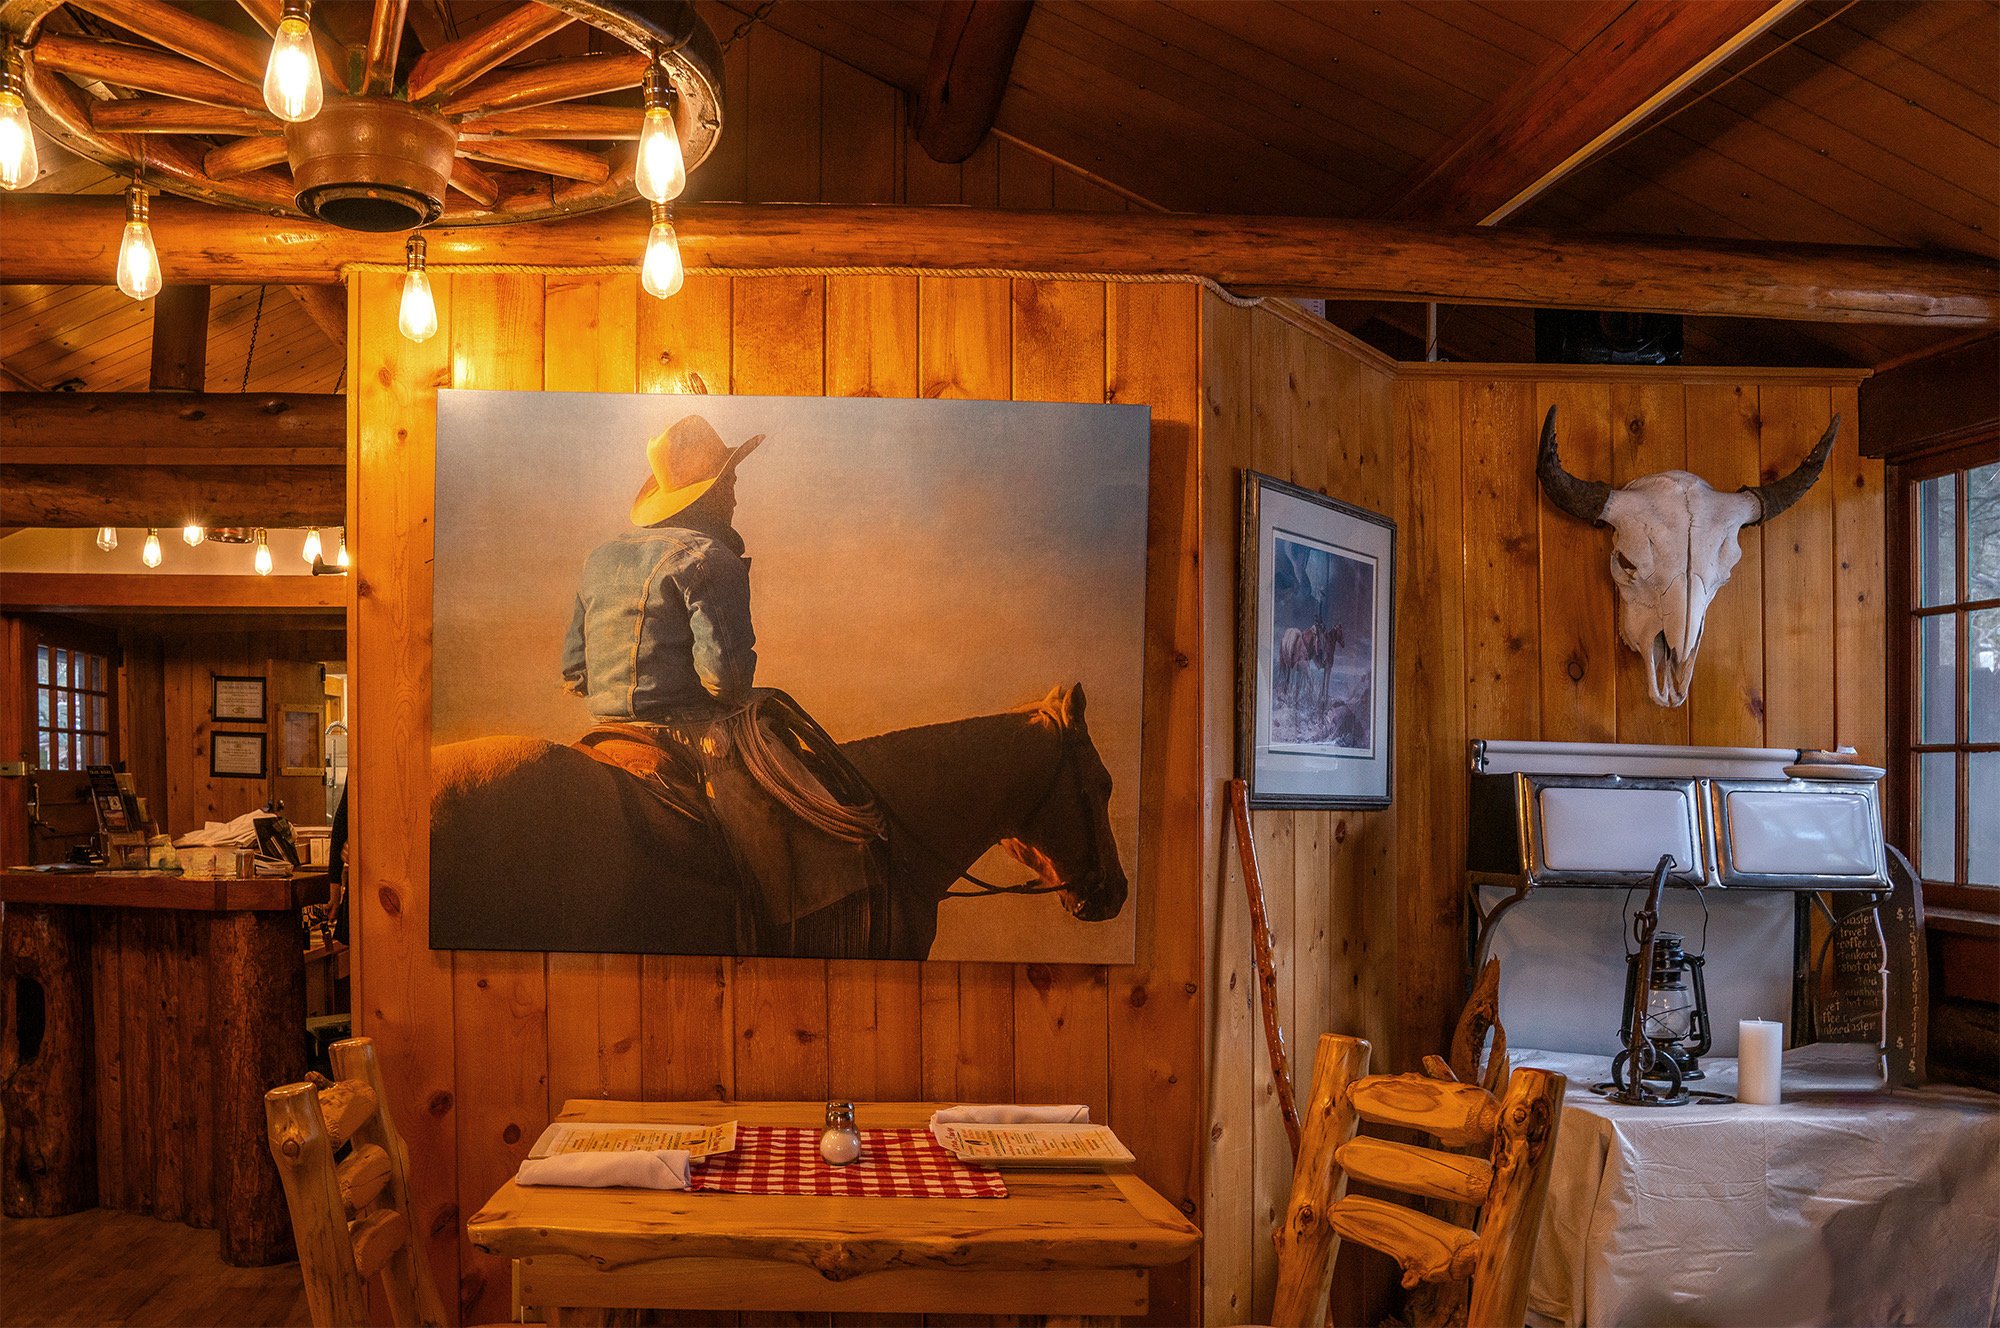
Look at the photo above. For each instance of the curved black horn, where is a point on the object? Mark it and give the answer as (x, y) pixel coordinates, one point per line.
(1776, 496)
(1582, 499)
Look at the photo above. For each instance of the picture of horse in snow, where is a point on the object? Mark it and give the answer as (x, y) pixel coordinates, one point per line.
(1322, 649)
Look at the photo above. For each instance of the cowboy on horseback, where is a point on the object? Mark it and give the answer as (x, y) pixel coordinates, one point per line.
(662, 648)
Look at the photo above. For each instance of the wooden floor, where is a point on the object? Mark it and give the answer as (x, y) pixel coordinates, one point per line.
(103, 1267)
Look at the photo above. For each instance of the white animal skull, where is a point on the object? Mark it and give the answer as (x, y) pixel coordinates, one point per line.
(1674, 547)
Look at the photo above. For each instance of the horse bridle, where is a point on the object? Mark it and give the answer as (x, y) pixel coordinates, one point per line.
(1066, 763)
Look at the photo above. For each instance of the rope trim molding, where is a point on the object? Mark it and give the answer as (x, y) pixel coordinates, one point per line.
(619, 269)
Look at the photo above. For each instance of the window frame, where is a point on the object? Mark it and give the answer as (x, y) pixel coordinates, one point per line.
(1906, 619)
(83, 743)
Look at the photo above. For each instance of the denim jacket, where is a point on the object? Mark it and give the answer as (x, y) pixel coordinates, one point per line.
(662, 624)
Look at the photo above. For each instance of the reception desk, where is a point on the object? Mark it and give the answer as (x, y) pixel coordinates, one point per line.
(144, 1016)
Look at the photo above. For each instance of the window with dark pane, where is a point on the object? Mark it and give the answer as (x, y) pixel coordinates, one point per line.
(72, 708)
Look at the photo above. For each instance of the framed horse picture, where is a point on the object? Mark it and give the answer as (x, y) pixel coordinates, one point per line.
(838, 678)
(1315, 645)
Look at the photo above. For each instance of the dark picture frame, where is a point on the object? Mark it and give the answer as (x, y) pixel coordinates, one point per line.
(229, 753)
(1315, 697)
(229, 698)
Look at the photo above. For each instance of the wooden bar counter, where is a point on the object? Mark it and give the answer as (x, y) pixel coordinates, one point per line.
(144, 1016)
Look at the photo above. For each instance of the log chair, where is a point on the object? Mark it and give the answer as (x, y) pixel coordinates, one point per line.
(1506, 1178)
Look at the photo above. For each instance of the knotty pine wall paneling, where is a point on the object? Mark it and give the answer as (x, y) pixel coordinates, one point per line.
(1293, 398)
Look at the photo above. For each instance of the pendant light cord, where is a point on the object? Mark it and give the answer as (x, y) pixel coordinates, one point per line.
(255, 324)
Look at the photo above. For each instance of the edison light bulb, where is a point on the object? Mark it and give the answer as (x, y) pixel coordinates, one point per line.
(291, 80)
(659, 172)
(311, 552)
(151, 554)
(418, 317)
(18, 163)
(107, 538)
(340, 555)
(263, 555)
(661, 274)
(193, 535)
(138, 260)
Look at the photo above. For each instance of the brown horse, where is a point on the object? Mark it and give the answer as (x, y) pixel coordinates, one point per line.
(539, 846)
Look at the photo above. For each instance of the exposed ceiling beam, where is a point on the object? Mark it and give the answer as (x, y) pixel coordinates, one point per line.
(327, 307)
(1575, 104)
(157, 590)
(180, 339)
(972, 57)
(17, 381)
(75, 239)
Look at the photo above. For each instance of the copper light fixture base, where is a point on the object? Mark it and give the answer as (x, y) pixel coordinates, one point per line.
(372, 163)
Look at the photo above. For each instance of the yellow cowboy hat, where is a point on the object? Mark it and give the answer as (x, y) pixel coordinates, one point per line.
(687, 460)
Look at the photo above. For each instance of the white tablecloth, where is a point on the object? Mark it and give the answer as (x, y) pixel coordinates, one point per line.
(1846, 1204)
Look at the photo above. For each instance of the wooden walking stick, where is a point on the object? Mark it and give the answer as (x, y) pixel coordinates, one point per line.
(1267, 976)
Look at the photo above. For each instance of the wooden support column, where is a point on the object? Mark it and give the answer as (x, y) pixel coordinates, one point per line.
(50, 1155)
(180, 339)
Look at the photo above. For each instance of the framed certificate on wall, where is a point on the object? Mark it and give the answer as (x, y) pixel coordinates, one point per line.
(236, 755)
(237, 698)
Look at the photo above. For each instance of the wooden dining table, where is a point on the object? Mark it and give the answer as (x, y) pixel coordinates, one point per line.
(1071, 1246)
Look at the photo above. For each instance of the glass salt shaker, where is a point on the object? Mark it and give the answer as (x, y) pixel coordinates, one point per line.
(840, 1142)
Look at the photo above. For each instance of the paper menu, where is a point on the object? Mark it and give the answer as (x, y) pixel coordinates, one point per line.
(1033, 1145)
(609, 1136)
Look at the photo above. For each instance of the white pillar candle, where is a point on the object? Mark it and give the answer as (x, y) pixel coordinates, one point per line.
(1760, 1060)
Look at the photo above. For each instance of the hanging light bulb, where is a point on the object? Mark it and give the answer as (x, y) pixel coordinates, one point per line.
(150, 555)
(18, 163)
(194, 535)
(263, 554)
(340, 556)
(312, 549)
(661, 274)
(291, 80)
(660, 171)
(138, 260)
(418, 317)
(107, 538)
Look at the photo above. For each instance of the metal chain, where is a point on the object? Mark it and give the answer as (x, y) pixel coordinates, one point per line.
(255, 323)
(757, 15)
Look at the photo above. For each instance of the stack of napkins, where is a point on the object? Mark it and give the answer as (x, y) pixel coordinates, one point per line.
(644, 1169)
(1007, 1113)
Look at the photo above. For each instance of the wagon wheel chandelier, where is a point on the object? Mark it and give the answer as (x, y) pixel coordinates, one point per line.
(390, 133)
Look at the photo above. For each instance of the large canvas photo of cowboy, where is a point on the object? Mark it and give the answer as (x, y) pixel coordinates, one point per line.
(838, 678)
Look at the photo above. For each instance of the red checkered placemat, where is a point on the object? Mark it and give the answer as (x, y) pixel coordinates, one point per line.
(895, 1164)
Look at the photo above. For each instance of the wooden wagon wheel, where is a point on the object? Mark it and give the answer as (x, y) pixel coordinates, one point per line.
(168, 90)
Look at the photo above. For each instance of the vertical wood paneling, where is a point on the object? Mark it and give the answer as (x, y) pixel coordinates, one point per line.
(403, 996)
(500, 997)
(590, 344)
(1061, 1019)
(1798, 575)
(1860, 626)
(1502, 591)
(1155, 1009)
(1726, 704)
(1579, 636)
(1648, 435)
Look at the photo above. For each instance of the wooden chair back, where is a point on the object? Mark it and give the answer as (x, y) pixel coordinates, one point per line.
(1509, 1143)
(352, 1219)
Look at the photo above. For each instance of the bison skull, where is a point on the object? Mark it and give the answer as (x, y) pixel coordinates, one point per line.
(1673, 547)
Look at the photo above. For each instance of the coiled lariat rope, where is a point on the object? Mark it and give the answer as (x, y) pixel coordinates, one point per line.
(1016, 274)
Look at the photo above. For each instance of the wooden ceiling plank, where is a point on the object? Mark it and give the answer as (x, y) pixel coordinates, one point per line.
(326, 307)
(53, 239)
(385, 41)
(1530, 29)
(552, 81)
(889, 41)
(186, 33)
(972, 55)
(441, 72)
(143, 69)
(1437, 81)
(1941, 56)
(1570, 108)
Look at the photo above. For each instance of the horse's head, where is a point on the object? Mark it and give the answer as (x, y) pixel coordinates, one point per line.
(1067, 838)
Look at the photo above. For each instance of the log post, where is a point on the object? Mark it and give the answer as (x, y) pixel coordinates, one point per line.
(256, 993)
(180, 339)
(50, 1154)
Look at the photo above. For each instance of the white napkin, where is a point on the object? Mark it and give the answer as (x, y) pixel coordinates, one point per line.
(643, 1169)
(1009, 1114)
